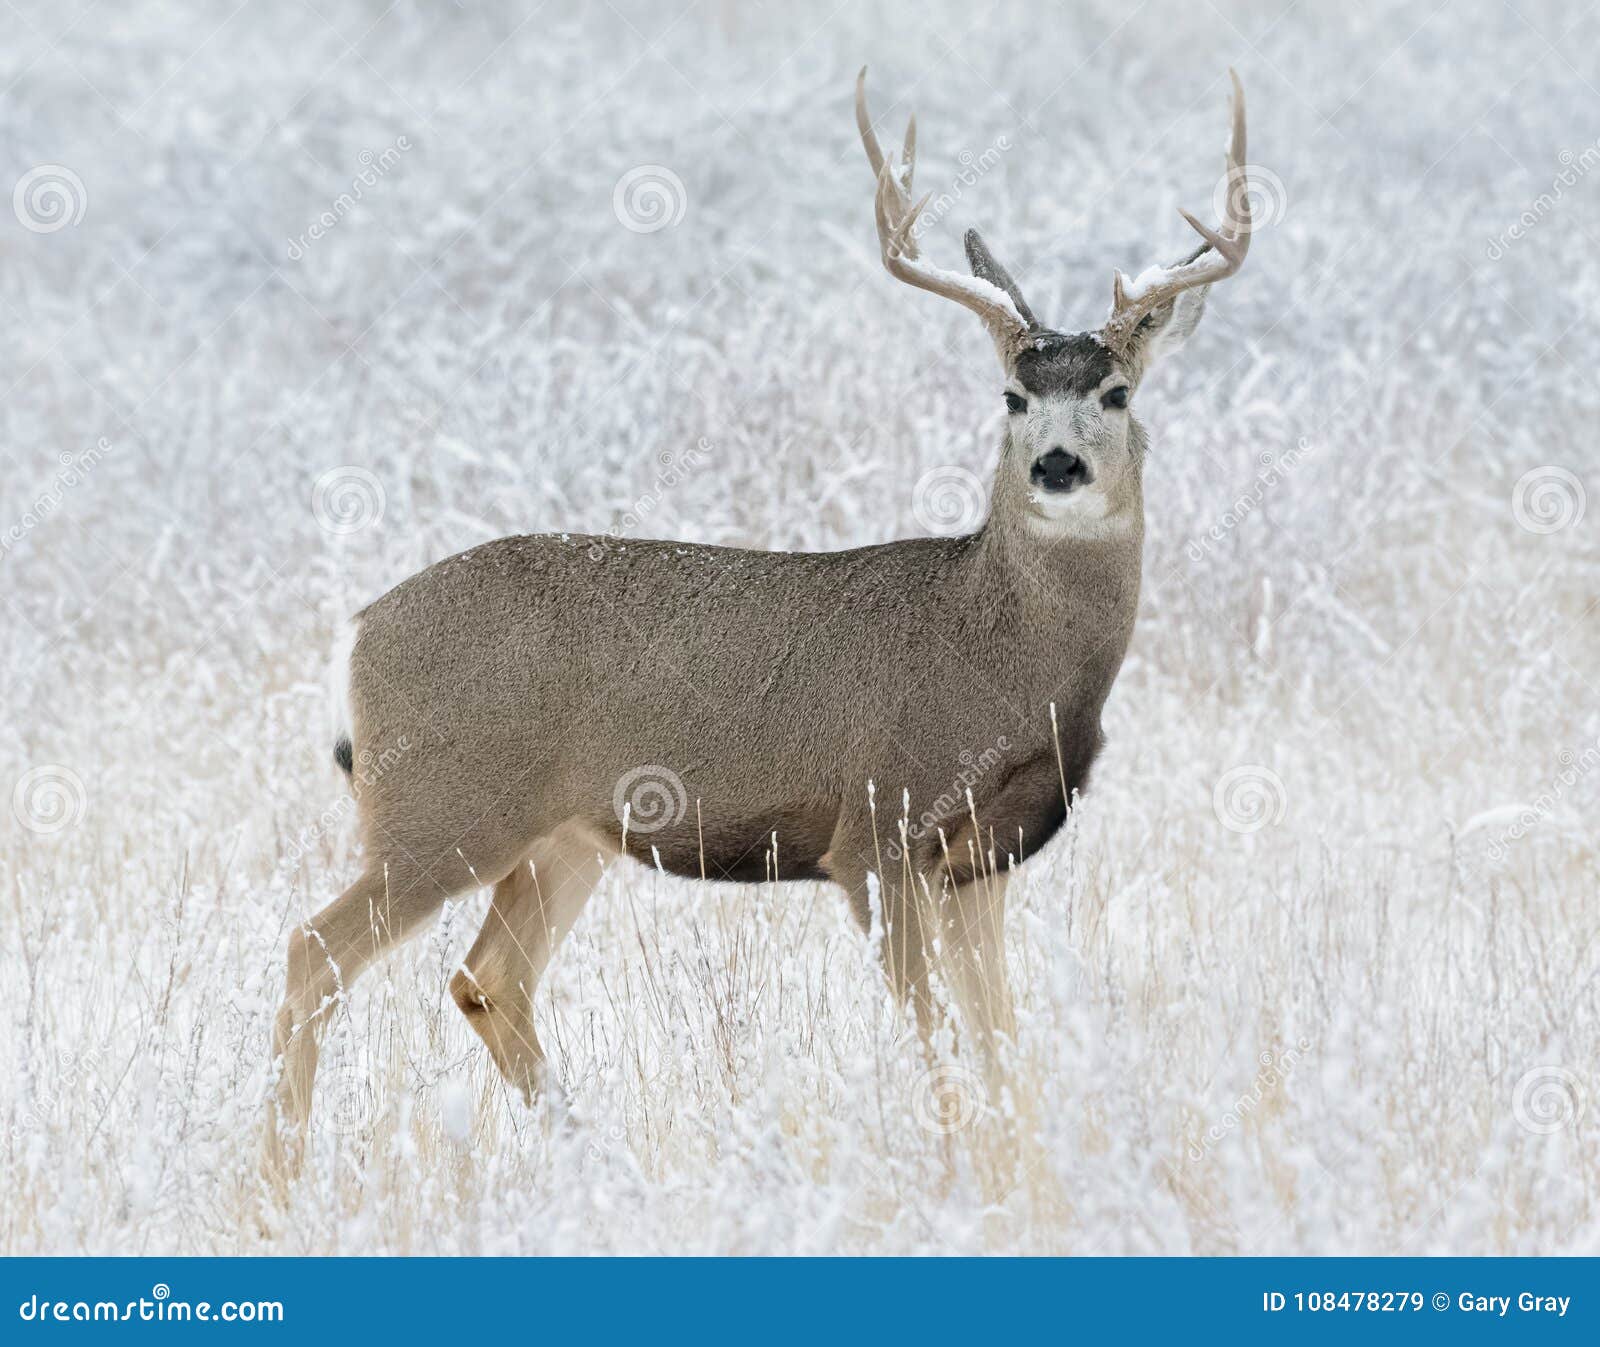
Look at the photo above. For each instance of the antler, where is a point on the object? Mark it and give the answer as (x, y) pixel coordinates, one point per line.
(1218, 258)
(897, 219)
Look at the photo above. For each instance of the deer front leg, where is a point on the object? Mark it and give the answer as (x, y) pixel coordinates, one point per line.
(891, 909)
(973, 947)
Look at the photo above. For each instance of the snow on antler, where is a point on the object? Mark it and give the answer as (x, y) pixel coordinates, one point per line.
(1218, 258)
(897, 218)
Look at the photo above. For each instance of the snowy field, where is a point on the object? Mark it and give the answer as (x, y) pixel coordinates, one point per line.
(299, 297)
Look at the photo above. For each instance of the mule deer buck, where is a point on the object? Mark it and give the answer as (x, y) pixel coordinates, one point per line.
(547, 691)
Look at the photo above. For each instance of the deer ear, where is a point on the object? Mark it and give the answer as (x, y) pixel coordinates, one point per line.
(985, 268)
(1166, 329)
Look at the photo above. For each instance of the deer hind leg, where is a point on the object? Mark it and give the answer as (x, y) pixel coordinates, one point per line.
(326, 954)
(533, 909)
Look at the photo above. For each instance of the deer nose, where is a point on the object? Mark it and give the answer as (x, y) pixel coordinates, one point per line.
(1059, 470)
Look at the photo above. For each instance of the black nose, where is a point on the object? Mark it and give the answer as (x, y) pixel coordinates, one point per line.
(1059, 471)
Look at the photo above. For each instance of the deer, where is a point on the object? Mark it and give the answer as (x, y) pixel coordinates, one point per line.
(522, 714)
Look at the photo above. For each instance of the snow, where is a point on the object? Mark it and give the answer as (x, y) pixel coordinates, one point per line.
(483, 336)
(455, 1111)
(1146, 280)
(975, 287)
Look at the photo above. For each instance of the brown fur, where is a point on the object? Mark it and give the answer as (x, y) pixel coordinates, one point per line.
(533, 673)
(506, 692)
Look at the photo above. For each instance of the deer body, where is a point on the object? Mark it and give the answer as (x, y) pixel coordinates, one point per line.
(554, 666)
(522, 713)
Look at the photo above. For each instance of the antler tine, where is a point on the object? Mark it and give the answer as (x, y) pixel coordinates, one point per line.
(1237, 158)
(864, 124)
(869, 138)
(888, 211)
(896, 218)
(1222, 254)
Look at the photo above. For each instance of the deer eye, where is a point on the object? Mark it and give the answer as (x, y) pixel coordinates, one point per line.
(1117, 397)
(1016, 404)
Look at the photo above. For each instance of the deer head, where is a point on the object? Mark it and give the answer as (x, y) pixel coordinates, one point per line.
(1073, 445)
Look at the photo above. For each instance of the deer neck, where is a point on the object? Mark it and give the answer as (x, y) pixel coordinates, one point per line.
(1067, 589)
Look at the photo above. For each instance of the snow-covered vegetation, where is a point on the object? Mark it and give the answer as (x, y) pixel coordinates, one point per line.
(299, 297)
